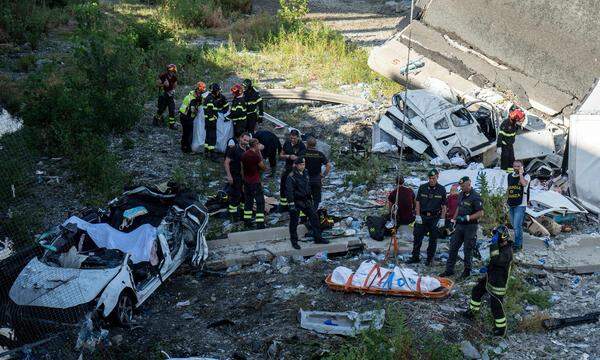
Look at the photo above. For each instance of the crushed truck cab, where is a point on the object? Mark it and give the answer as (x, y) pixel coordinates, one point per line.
(437, 127)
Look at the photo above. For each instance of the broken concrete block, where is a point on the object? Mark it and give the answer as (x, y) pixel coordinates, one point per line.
(347, 323)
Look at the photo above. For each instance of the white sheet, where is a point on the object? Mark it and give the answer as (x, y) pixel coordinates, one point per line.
(137, 243)
(401, 278)
(224, 132)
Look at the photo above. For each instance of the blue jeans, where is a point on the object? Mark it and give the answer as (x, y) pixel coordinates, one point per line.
(517, 215)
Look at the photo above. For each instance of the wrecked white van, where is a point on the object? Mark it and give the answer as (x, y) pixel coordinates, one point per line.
(434, 126)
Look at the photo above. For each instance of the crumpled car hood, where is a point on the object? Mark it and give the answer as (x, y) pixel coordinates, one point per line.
(41, 285)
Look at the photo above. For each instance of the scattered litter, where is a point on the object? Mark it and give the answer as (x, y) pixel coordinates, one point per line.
(183, 303)
(290, 292)
(384, 147)
(187, 316)
(90, 336)
(469, 351)
(347, 323)
(458, 161)
(553, 324)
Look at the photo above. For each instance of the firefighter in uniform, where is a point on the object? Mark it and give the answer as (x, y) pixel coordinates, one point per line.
(495, 281)
(233, 169)
(466, 218)
(167, 82)
(254, 106)
(214, 103)
(298, 192)
(187, 113)
(293, 148)
(430, 212)
(315, 160)
(238, 110)
(506, 138)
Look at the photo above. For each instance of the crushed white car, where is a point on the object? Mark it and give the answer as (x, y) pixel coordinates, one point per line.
(429, 124)
(110, 260)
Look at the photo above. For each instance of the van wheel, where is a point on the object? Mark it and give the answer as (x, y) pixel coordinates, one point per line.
(460, 152)
(122, 314)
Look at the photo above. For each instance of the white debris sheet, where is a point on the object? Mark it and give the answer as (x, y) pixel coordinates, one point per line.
(347, 323)
(139, 243)
(403, 279)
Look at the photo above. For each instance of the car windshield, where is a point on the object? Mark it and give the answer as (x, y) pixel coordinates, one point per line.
(73, 248)
(461, 118)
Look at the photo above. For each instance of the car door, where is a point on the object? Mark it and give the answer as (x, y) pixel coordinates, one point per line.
(445, 134)
(470, 137)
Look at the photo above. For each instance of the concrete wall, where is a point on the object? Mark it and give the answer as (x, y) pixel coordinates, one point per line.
(557, 42)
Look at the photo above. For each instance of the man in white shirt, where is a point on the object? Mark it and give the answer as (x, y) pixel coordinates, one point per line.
(518, 197)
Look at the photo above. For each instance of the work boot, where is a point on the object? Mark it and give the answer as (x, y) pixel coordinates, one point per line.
(500, 331)
(447, 273)
(157, 120)
(465, 274)
(413, 260)
(468, 314)
(248, 225)
(429, 262)
(260, 225)
(321, 241)
(295, 245)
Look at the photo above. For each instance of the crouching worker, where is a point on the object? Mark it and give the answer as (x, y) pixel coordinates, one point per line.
(298, 193)
(495, 281)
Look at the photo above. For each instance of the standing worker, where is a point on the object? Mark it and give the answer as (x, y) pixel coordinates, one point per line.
(292, 149)
(298, 192)
(506, 138)
(252, 165)
(495, 281)
(272, 148)
(167, 82)
(403, 207)
(187, 113)
(214, 103)
(254, 106)
(233, 169)
(518, 196)
(238, 110)
(466, 218)
(314, 164)
(430, 210)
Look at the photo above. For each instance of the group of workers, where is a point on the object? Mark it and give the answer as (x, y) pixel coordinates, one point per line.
(434, 213)
(245, 110)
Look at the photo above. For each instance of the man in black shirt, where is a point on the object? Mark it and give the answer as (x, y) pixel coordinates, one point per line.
(214, 103)
(254, 106)
(314, 162)
(468, 213)
(430, 209)
(272, 147)
(233, 169)
(298, 192)
(292, 149)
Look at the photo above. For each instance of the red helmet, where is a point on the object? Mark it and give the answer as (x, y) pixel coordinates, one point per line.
(172, 67)
(237, 90)
(517, 115)
(201, 86)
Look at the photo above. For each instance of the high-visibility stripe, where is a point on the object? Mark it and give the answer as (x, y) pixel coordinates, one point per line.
(291, 204)
(247, 214)
(507, 133)
(302, 213)
(237, 119)
(232, 209)
(210, 147)
(476, 303)
(495, 252)
(509, 170)
(209, 106)
(500, 323)
(260, 217)
(283, 201)
(171, 120)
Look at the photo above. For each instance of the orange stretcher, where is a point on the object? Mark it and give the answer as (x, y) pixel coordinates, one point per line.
(442, 292)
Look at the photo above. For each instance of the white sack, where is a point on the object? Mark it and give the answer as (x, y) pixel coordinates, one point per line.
(224, 132)
(199, 133)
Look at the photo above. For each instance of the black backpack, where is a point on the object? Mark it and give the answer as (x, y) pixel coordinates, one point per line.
(376, 226)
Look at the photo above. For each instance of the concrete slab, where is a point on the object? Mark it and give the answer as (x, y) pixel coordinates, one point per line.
(579, 254)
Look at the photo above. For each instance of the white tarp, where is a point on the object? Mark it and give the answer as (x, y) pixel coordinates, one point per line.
(137, 243)
(396, 279)
(224, 132)
(584, 152)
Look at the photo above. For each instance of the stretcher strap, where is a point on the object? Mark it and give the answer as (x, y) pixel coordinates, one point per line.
(348, 283)
(376, 267)
(419, 284)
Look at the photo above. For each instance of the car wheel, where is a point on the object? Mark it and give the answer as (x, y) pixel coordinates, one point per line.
(460, 152)
(122, 314)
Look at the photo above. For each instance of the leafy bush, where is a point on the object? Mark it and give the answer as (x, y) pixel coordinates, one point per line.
(292, 13)
(26, 63)
(26, 22)
(194, 13)
(367, 170)
(149, 32)
(88, 15)
(494, 208)
(254, 31)
(11, 94)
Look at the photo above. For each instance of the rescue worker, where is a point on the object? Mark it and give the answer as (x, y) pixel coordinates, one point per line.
(517, 199)
(254, 106)
(430, 214)
(187, 113)
(167, 82)
(506, 138)
(238, 110)
(214, 103)
(293, 148)
(233, 169)
(272, 148)
(315, 160)
(252, 165)
(403, 207)
(300, 200)
(495, 281)
(466, 218)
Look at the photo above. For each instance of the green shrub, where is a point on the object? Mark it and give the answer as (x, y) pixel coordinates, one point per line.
(193, 13)
(26, 21)
(367, 170)
(292, 12)
(494, 208)
(149, 32)
(26, 63)
(11, 94)
(88, 15)
(252, 32)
